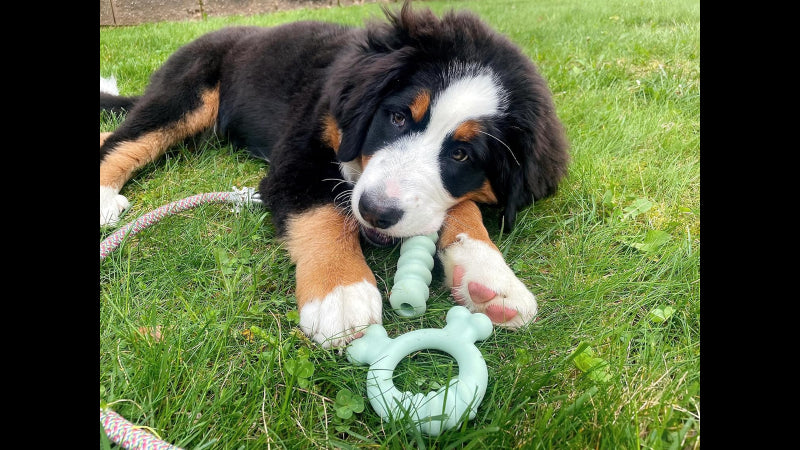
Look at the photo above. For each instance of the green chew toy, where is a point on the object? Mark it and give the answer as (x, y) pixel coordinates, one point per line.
(410, 291)
(435, 411)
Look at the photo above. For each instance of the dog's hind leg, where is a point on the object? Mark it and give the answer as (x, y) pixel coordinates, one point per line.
(153, 126)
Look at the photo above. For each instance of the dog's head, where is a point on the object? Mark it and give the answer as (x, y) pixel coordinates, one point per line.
(432, 112)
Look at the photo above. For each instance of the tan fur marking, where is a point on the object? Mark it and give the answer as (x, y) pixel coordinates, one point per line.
(127, 157)
(420, 105)
(104, 136)
(331, 134)
(465, 217)
(324, 246)
(484, 194)
(466, 131)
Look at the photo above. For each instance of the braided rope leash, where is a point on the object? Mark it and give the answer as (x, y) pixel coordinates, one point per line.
(117, 428)
(128, 435)
(238, 197)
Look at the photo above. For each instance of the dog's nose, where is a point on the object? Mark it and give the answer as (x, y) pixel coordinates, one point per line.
(379, 214)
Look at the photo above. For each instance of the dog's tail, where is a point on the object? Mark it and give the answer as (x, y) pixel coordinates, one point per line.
(110, 100)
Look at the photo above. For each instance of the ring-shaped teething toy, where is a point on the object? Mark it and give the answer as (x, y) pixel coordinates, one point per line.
(438, 410)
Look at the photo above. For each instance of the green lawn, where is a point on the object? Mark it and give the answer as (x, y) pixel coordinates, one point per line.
(614, 359)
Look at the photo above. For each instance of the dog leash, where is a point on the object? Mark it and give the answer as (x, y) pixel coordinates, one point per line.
(239, 198)
(128, 435)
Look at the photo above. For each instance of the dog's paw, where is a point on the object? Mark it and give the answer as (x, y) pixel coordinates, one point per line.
(111, 205)
(481, 280)
(342, 315)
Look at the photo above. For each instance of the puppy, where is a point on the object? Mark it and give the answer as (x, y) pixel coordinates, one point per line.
(372, 134)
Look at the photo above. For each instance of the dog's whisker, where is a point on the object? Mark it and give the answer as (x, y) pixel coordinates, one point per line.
(343, 194)
(504, 144)
(342, 198)
(350, 220)
(340, 181)
(354, 170)
(341, 201)
(337, 184)
(351, 169)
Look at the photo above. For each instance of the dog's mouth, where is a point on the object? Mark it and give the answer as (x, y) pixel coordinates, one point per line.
(377, 238)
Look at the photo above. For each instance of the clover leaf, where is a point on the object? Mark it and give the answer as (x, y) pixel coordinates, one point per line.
(595, 367)
(660, 315)
(301, 369)
(348, 403)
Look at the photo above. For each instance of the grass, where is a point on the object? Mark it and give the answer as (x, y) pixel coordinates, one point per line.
(198, 325)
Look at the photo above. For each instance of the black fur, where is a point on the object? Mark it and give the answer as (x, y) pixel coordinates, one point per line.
(116, 104)
(277, 84)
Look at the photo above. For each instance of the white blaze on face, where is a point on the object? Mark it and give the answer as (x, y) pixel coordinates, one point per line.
(407, 170)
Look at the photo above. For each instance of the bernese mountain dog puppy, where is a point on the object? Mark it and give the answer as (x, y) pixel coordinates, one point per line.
(372, 134)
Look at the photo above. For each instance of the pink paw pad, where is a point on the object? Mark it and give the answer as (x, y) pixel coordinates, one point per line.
(480, 293)
(477, 292)
(500, 314)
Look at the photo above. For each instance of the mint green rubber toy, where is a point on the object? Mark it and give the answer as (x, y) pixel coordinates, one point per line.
(410, 291)
(435, 411)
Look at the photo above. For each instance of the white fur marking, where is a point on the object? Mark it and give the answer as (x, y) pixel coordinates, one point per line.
(111, 205)
(466, 98)
(485, 265)
(346, 310)
(109, 85)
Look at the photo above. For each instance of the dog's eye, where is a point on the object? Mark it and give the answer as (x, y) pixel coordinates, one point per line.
(459, 154)
(398, 119)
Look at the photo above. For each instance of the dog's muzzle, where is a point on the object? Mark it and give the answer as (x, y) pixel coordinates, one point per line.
(379, 213)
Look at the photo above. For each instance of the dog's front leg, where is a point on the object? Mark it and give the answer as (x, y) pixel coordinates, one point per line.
(336, 291)
(476, 272)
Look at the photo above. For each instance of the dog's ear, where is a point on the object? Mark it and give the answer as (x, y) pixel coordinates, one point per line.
(355, 96)
(536, 158)
(363, 78)
(370, 72)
